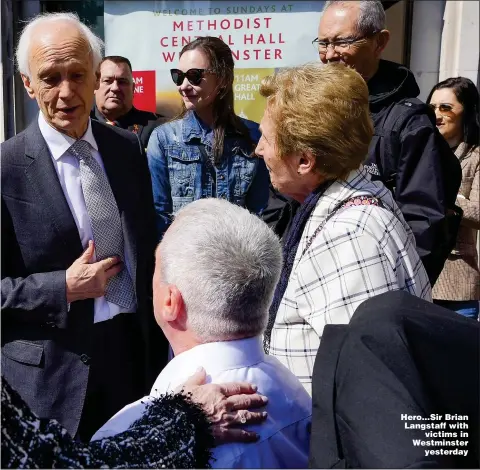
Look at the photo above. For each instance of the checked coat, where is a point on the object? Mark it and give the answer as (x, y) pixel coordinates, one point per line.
(362, 251)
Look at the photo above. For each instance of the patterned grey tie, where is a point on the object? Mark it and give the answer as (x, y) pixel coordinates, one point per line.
(106, 224)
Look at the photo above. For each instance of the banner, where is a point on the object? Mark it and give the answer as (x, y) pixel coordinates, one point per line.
(263, 37)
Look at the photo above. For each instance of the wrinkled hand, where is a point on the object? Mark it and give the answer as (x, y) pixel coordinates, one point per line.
(226, 406)
(86, 280)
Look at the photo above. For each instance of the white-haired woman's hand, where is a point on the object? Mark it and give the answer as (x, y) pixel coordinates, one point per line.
(227, 406)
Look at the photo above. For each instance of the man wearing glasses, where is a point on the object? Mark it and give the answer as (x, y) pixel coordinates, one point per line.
(407, 153)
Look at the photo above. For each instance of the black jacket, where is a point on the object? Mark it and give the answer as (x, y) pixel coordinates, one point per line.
(139, 122)
(173, 433)
(399, 355)
(428, 175)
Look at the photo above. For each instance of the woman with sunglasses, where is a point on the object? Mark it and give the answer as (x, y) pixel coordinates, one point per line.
(208, 150)
(456, 105)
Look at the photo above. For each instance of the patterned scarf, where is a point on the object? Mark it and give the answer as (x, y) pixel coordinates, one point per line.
(290, 246)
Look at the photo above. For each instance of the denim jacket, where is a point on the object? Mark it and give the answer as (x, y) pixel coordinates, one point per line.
(180, 174)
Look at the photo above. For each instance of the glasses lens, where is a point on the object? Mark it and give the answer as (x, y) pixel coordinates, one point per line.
(194, 76)
(177, 76)
(322, 48)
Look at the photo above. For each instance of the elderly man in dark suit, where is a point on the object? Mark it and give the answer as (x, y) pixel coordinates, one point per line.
(77, 245)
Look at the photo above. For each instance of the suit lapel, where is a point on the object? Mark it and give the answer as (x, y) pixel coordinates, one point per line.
(44, 181)
(122, 187)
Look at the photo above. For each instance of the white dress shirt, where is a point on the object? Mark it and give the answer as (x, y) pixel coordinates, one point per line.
(284, 436)
(68, 170)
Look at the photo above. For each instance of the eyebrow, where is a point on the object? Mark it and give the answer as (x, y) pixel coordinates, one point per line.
(113, 77)
(262, 132)
(336, 38)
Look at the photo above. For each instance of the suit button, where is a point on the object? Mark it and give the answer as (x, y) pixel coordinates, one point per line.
(221, 177)
(85, 359)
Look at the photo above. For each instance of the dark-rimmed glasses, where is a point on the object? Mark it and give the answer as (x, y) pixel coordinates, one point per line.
(194, 76)
(340, 45)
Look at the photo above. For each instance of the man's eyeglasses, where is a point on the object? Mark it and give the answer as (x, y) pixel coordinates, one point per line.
(443, 108)
(194, 76)
(340, 45)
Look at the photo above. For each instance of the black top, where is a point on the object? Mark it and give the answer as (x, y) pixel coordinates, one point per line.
(173, 433)
(139, 122)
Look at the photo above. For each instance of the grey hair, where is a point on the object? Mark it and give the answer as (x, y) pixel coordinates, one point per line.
(371, 17)
(226, 263)
(23, 47)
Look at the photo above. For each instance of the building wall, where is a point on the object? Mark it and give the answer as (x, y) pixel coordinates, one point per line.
(395, 23)
(444, 41)
(426, 43)
(460, 44)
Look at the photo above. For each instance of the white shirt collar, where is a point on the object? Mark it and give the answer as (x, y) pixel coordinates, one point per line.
(59, 143)
(214, 358)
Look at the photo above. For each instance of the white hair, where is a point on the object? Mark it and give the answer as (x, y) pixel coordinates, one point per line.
(24, 43)
(226, 263)
(371, 17)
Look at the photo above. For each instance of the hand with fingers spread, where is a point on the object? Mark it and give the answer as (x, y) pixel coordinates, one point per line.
(86, 280)
(227, 406)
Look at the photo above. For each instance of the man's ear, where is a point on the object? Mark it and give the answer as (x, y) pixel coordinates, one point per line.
(382, 41)
(174, 311)
(28, 86)
(97, 80)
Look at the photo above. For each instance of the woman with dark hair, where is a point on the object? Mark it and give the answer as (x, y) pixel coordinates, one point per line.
(456, 105)
(207, 151)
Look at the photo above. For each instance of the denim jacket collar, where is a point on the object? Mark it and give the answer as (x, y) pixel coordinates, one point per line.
(193, 129)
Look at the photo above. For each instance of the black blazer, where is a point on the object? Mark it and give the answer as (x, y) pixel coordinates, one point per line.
(399, 355)
(45, 348)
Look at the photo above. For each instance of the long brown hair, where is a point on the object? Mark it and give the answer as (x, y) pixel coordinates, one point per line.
(221, 62)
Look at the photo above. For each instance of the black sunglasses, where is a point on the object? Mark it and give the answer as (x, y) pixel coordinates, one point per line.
(194, 76)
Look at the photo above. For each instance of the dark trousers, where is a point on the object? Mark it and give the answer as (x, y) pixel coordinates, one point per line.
(116, 372)
(399, 355)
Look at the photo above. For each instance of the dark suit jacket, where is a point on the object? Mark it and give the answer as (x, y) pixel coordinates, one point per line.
(399, 355)
(45, 348)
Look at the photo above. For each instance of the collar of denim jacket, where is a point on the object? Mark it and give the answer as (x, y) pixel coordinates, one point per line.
(193, 128)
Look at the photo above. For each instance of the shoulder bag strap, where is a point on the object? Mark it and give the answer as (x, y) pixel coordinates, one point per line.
(362, 200)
